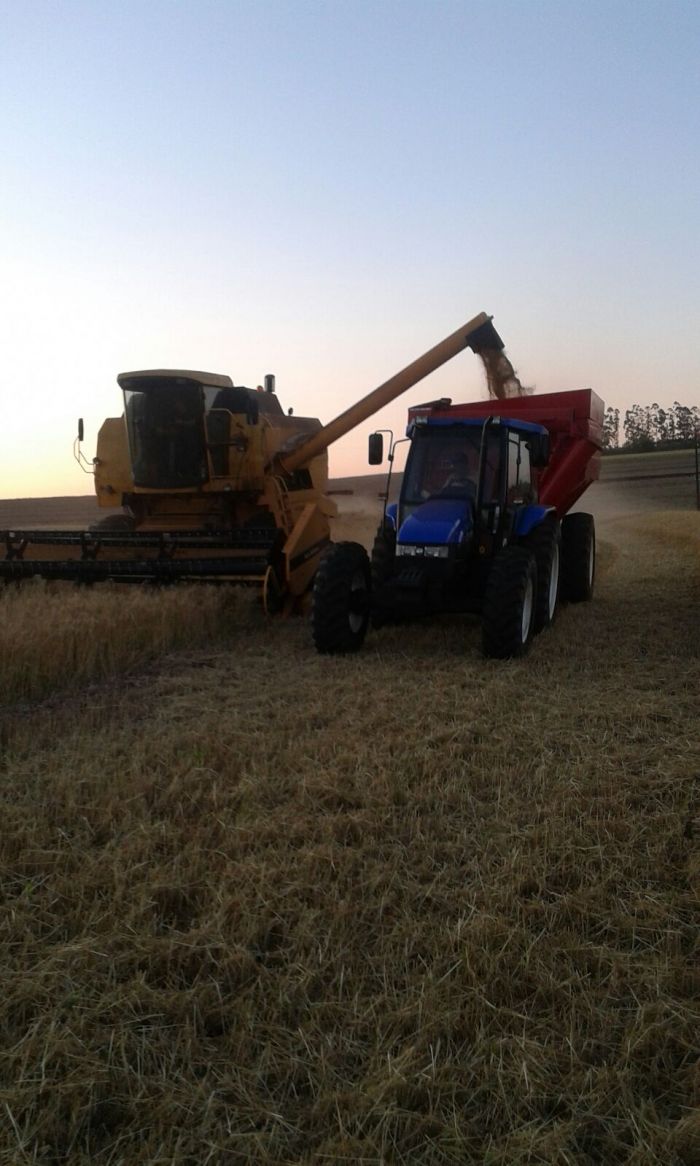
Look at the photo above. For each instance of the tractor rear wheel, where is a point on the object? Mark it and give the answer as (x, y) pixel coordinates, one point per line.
(578, 557)
(545, 544)
(508, 616)
(341, 599)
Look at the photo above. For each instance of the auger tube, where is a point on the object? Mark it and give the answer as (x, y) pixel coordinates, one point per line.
(478, 334)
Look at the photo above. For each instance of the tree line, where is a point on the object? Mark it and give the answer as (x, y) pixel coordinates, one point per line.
(647, 427)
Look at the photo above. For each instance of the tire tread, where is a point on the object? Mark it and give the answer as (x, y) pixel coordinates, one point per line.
(329, 615)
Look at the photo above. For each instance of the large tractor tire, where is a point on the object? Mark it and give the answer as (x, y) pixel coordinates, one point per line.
(578, 557)
(341, 599)
(508, 616)
(545, 544)
(383, 554)
(382, 568)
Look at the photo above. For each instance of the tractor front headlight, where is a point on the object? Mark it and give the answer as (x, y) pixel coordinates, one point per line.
(423, 552)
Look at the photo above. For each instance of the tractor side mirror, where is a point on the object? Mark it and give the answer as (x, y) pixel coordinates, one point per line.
(539, 450)
(375, 453)
(81, 429)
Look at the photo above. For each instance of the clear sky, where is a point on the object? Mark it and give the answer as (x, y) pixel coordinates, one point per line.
(325, 189)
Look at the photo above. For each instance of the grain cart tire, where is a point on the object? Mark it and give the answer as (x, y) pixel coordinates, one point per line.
(113, 523)
(508, 616)
(545, 544)
(382, 566)
(578, 557)
(341, 599)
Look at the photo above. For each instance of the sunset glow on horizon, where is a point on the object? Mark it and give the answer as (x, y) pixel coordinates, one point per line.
(324, 191)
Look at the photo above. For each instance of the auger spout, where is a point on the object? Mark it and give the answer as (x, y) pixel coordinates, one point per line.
(478, 334)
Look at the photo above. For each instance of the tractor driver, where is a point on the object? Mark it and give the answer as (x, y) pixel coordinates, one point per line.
(463, 474)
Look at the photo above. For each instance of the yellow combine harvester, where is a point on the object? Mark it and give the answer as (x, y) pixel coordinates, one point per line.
(211, 482)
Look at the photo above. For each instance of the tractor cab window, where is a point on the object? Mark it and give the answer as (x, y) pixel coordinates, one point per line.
(166, 437)
(443, 463)
(519, 481)
(492, 461)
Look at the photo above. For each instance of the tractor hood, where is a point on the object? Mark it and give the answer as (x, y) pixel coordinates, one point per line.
(440, 521)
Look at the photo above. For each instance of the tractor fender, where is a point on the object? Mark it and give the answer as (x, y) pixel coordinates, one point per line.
(391, 512)
(528, 517)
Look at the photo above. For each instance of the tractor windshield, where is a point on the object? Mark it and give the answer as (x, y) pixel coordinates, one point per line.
(443, 463)
(164, 421)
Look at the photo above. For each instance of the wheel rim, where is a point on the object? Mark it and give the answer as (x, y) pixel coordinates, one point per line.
(591, 562)
(528, 602)
(553, 581)
(357, 606)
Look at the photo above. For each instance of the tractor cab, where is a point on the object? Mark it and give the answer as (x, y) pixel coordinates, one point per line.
(470, 488)
(466, 480)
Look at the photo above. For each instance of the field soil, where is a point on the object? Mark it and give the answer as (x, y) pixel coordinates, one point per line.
(409, 906)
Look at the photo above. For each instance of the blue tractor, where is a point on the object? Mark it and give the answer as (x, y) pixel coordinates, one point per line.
(480, 525)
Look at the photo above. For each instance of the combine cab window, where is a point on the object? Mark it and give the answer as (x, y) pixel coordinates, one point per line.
(221, 406)
(166, 435)
(233, 400)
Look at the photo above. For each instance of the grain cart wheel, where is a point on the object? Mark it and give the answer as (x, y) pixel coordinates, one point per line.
(341, 599)
(545, 544)
(382, 566)
(508, 616)
(578, 557)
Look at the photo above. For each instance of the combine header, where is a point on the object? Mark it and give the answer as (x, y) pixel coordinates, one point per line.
(211, 482)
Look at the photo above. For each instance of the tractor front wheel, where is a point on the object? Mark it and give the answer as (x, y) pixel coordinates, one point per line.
(578, 557)
(508, 616)
(341, 599)
(383, 554)
(382, 568)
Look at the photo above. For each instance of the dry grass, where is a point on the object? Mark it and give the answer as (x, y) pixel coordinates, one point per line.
(409, 907)
(55, 636)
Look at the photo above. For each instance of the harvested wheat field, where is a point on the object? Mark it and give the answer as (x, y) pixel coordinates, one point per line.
(406, 907)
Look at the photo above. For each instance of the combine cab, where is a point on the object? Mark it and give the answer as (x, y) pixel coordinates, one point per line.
(207, 481)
